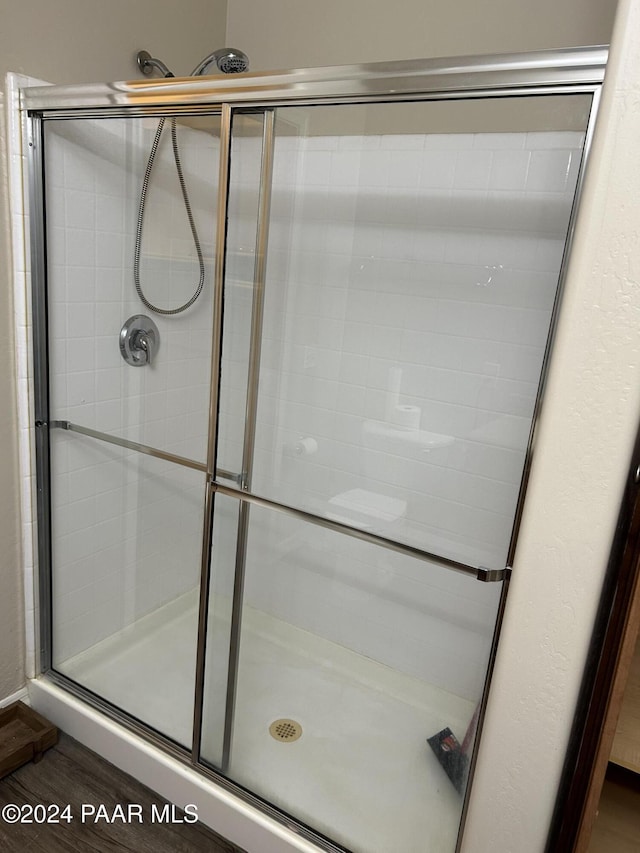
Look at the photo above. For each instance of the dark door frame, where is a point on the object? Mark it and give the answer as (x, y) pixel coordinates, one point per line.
(604, 678)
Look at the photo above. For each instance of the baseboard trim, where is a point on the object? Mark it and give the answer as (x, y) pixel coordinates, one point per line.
(21, 695)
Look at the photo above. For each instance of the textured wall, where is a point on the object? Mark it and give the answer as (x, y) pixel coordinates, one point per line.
(300, 33)
(79, 42)
(580, 465)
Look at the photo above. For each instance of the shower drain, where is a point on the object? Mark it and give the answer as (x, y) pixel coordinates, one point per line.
(285, 730)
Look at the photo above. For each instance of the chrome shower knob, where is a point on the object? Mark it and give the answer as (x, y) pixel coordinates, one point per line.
(139, 340)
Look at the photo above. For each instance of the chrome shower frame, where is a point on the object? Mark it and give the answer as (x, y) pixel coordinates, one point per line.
(572, 71)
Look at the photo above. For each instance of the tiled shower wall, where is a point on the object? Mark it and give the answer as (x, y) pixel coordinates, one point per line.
(121, 546)
(422, 270)
(414, 269)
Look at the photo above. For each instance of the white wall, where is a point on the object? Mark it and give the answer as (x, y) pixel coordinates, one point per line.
(581, 462)
(71, 41)
(302, 33)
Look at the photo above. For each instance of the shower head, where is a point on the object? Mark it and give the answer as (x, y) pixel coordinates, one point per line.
(228, 60)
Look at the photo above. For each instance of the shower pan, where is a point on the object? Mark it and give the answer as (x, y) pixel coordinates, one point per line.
(280, 551)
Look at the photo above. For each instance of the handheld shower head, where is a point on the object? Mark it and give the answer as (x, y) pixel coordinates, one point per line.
(228, 60)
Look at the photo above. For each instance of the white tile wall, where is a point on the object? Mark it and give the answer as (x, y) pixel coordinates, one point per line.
(410, 615)
(418, 266)
(430, 262)
(127, 538)
(126, 529)
(93, 179)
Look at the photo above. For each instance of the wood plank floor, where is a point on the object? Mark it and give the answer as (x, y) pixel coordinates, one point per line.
(70, 773)
(617, 826)
(626, 746)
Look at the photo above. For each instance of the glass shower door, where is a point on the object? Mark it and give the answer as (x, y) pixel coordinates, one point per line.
(388, 347)
(350, 470)
(128, 440)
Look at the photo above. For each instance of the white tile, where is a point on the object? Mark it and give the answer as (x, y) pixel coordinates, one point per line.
(387, 345)
(473, 170)
(79, 210)
(353, 368)
(428, 244)
(537, 140)
(402, 141)
(80, 320)
(80, 248)
(462, 247)
(320, 143)
(533, 327)
(339, 238)
(438, 169)
(108, 249)
(360, 143)
(548, 255)
(497, 141)
(549, 171)
(345, 168)
(107, 352)
(108, 384)
(404, 168)
(108, 415)
(509, 170)
(80, 388)
(375, 168)
(80, 284)
(110, 214)
(448, 141)
(56, 246)
(398, 243)
(316, 167)
(109, 318)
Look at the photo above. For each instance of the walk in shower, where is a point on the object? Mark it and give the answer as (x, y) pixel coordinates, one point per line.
(276, 527)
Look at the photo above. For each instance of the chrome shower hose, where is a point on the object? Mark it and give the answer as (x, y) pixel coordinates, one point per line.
(187, 205)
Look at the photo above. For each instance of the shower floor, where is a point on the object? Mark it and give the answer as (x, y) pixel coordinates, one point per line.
(362, 772)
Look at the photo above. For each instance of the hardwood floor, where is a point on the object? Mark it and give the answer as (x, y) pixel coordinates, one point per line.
(626, 745)
(617, 826)
(70, 773)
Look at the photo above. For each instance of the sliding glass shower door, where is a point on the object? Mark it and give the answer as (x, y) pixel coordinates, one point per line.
(288, 372)
(128, 439)
(385, 350)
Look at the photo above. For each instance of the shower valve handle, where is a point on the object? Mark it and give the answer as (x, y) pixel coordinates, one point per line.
(142, 342)
(139, 340)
